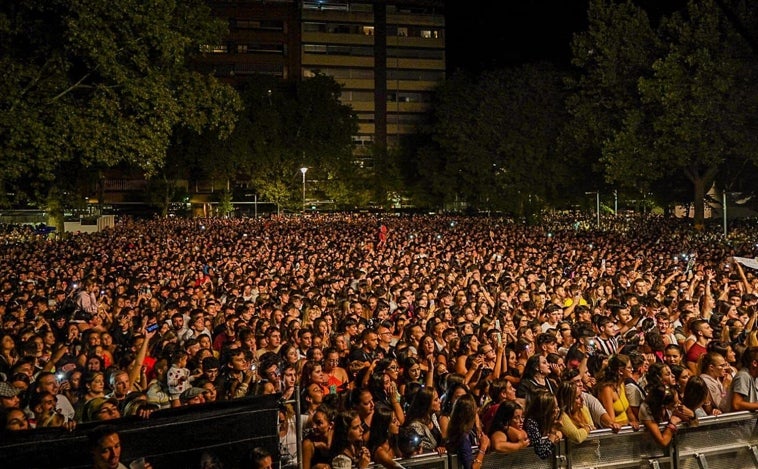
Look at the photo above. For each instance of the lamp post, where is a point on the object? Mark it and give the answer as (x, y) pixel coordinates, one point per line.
(303, 170)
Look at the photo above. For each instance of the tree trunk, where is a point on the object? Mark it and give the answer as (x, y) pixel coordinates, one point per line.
(699, 202)
(55, 211)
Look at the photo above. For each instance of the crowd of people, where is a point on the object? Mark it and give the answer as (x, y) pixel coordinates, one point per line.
(404, 335)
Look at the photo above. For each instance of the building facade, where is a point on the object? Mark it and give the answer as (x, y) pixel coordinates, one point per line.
(388, 55)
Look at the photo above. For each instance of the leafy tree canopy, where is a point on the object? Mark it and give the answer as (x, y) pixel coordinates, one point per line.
(97, 82)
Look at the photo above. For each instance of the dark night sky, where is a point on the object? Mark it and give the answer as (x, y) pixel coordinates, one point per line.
(486, 34)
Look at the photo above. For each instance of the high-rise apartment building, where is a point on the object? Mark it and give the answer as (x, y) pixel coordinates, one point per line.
(388, 55)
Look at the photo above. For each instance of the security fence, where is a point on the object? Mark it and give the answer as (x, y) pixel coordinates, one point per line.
(727, 441)
(181, 437)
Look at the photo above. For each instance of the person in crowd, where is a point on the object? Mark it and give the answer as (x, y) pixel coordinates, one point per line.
(318, 441)
(542, 423)
(422, 417)
(712, 369)
(462, 435)
(105, 448)
(347, 448)
(535, 378)
(612, 393)
(382, 443)
(576, 421)
(742, 394)
(507, 433)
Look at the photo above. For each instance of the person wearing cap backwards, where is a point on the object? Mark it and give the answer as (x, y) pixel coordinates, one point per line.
(553, 315)
(192, 396)
(9, 395)
(100, 409)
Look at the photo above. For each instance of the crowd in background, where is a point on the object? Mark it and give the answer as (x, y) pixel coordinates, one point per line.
(461, 334)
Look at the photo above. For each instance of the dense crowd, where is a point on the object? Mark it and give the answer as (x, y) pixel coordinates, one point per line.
(458, 334)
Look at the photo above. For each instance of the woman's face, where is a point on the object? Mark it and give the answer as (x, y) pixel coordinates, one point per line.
(210, 392)
(392, 371)
(394, 425)
(510, 391)
(355, 432)
(97, 385)
(731, 357)
(578, 398)
(414, 372)
(517, 421)
(317, 375)
(365, 405)
(320, 424)
(544, 367)
(683, 378)
(292, 355)
(667, 377)
(512, 360)
(436, 402)
(428, 345)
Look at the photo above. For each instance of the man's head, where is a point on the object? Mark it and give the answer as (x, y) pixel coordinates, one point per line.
(105, 447)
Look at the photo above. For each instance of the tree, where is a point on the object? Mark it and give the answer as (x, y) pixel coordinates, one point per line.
(97, 82)
(687, 107)
(283, 127)
(494, 138)
(617, 49)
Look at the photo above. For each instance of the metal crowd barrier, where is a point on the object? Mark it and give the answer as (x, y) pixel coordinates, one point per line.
(626, 449)
(728, 441)
(525, 458)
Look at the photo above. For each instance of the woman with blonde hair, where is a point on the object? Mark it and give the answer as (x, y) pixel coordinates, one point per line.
(576, 421)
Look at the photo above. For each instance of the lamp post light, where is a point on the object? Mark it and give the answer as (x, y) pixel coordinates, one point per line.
(597, 205)
(303, 170)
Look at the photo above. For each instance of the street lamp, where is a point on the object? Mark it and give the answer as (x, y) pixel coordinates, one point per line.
(303, 170)
(597, 205)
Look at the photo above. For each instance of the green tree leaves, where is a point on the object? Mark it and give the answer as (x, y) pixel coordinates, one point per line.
(103, 83)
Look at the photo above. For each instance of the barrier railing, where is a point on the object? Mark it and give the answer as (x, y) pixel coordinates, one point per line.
(173, 438)
(727, 441)
(178, 438)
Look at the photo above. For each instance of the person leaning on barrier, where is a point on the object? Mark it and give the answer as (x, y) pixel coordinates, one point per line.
(460, 440)
(662, 406)
(507, 433)
(105, 448)
(743, 394)
(542, 423)
(600, 417)
(382, 443)
(347, 449)
(316, 443)
(576, 422)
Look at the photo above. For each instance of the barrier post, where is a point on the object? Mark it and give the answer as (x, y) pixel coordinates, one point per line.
(299, 425)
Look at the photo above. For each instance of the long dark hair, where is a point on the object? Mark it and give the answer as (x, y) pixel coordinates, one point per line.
(503, 416)
(541, 409)
(379, 432)
(695, 393)
(462, 420)
(658, 397)
(342, 424)
(610, 375)
(421, 407)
